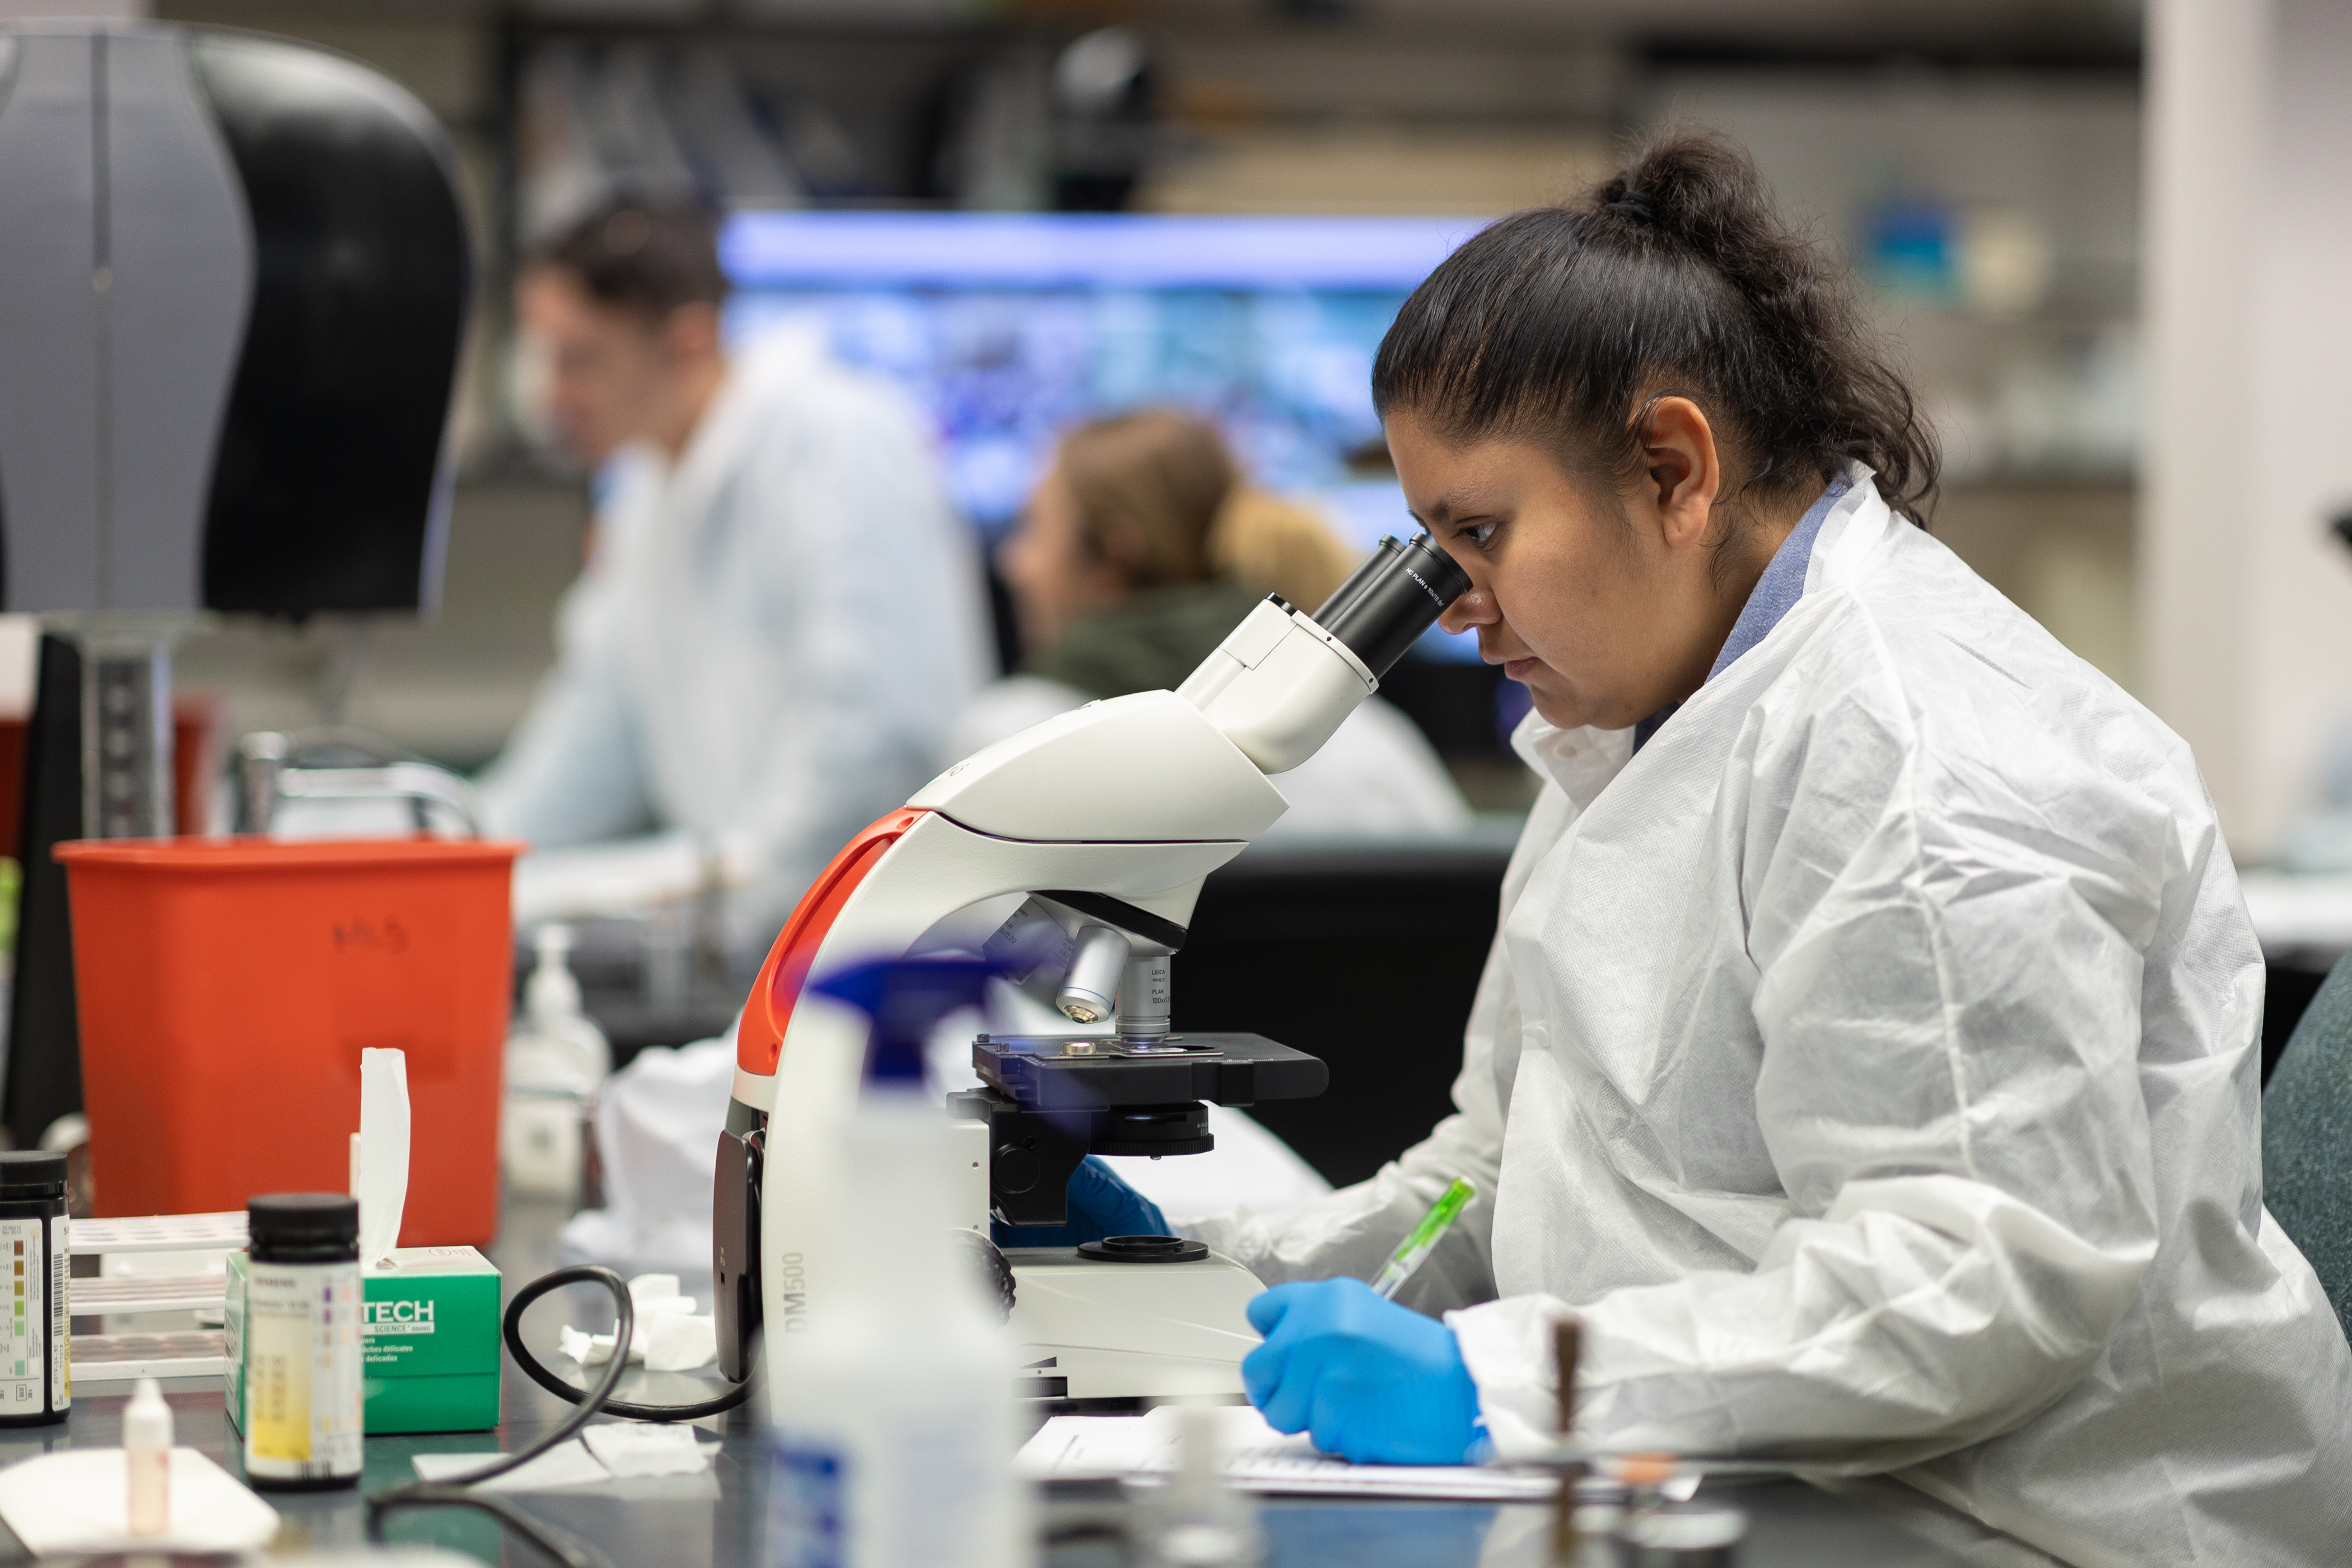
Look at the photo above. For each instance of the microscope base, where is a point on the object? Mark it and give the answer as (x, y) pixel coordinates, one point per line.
(1131, 1331)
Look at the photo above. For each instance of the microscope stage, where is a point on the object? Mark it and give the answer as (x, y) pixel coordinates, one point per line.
(1091, 1072)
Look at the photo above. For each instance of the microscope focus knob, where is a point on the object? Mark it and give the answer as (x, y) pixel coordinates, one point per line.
(1014, 1169)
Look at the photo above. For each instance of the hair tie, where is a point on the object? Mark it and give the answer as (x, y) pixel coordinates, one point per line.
(1636, 204)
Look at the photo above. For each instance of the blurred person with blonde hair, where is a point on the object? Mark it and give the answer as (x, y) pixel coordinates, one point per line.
(1137, 552)
(1278, 546)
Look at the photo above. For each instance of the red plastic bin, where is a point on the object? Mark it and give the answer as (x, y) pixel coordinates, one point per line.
(226, 987)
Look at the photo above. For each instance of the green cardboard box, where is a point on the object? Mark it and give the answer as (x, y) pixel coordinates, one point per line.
(429, 1338)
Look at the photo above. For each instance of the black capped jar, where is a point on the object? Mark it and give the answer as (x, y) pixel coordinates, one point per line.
(35, 1337)
(303, 1391)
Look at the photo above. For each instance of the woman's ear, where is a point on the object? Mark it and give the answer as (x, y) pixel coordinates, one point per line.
(1680, 473)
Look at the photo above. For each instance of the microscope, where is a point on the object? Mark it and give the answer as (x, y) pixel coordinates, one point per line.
(1071, 855)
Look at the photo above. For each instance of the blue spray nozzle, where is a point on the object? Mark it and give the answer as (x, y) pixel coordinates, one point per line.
(906, 998)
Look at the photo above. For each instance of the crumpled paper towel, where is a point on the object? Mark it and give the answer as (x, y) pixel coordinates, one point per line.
(669, 1336)
(658, 1125)
(77, 1500)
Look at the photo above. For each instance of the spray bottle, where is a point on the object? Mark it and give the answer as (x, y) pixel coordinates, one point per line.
(895, 1424)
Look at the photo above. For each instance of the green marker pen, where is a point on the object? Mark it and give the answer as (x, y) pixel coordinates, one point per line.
(1424, 1238)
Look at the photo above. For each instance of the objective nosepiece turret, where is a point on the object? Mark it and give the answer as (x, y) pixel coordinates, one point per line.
(1392, 599)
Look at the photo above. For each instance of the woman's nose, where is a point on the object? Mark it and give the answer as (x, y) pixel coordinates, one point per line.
(1474, 608)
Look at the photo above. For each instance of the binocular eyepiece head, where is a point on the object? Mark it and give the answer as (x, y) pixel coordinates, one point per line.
(1380, 610)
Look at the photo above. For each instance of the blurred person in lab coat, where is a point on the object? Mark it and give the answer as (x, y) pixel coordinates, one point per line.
(780, 617)
(1135, 555)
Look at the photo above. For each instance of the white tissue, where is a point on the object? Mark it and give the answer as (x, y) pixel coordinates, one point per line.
(600, 1456)
(76, 1501)
(565, 1464)
(588, 1349)
(667, 1336)
(679, 1341)
(633, 1449)
(376, 1557)
(382, 1184)
(647, 1288)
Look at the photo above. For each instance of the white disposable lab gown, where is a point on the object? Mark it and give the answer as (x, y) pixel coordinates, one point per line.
(1871, 1061)
(1377, 778)
(770, 644)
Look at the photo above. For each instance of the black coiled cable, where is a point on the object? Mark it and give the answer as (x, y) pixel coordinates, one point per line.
(601, 1398)
(456, 1493)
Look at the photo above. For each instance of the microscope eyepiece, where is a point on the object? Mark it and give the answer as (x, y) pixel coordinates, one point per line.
(1392, 599)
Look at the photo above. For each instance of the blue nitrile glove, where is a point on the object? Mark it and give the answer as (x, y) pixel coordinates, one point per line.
(1372, 1381)
(1100, 1205)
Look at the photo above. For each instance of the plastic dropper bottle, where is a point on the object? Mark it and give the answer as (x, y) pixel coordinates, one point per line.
(895, 1425)
(147, 1458)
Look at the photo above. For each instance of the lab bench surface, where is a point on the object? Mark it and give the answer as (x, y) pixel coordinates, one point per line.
(715, 1519)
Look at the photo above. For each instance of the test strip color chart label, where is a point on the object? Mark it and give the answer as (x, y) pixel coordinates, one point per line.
(302, 1385)
(25, 1350)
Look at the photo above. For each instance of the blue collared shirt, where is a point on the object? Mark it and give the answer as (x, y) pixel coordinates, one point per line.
(1775, 594)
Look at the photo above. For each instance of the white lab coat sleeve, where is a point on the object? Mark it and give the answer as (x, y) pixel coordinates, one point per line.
(1354, 1230)
(877, 584)
(572, 773)
(1947, 983)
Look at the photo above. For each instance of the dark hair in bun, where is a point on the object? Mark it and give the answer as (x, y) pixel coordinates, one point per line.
(1561, 325)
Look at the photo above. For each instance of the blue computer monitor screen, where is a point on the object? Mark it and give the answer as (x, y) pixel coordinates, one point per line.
(1007, 330)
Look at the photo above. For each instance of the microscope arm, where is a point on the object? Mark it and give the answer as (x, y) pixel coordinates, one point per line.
(1138, 797)
(1073, 802)
(932, 868)
(1043, 809)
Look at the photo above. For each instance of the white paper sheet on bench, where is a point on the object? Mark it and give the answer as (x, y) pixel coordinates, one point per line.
(1258, 1458)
